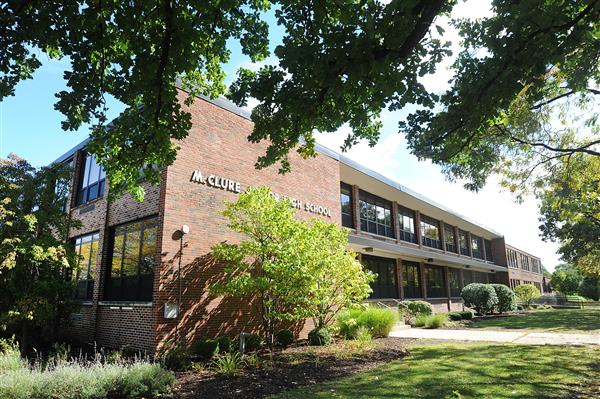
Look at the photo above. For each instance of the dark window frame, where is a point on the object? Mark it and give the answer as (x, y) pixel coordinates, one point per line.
(438, 290)
(450, 246)
(347, 218)
(90, 190)
(411, 291)
(487, 244)
(142, 287)
(85, 287)
(477, 252)
(428, 241)
(373, 225)
(385, 284)
(407, 233)
(455, 290)
(463, 234)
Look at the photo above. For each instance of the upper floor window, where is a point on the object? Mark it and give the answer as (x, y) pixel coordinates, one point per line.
(463, 242)
(406, 220)
(62, 188)
(525, 262)
(450, 238)
(131, 273)
(86, 248)
(511, 257)
(92, 180)
(375, 215)
(430, 232)
(476, 247)
(346, 203)
(488, 250)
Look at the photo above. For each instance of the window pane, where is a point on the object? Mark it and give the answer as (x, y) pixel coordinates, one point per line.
(131, 258)
(411, 281)
(93, 256)
(148, 250)
(86, 171)
(117, 255)
(94, 170)
(384, 285)
(436, 287)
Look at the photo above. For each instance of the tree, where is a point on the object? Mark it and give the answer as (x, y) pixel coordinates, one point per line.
(566, 279)
(35, 264)
(527, 293)
(570, 211)
(339, 62)
(293, 269)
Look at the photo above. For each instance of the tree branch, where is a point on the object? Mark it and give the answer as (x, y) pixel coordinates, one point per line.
(164, 58)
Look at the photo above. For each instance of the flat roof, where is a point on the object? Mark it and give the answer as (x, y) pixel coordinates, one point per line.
(222, 102)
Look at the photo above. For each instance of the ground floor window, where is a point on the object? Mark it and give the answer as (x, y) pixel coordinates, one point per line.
(411, 280)
(454, 280)
(86, 248)
(436, 284)
(480, 277)
(133, 256)
(384, 285)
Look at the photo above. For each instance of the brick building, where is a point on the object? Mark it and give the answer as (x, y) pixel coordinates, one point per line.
(129, 283)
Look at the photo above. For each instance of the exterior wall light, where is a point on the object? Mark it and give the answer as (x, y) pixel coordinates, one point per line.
(368, 249)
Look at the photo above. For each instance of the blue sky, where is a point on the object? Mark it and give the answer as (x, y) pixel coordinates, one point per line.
(30, 127)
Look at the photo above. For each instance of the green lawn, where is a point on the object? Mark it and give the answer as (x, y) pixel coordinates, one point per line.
(563, 320)
(472, 371)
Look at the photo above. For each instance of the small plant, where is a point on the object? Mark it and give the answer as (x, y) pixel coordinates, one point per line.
(319, 336)
(176, 358)
(228, 363)
(466, 315)
(10, 356)
(421, 320)
(481, 297)
(206, 348)
(253, 343)
(527, 293)
(378, 321)
(415, 308)
(431, 321)
(506, 298)
(455, 316)
(225, 344)
(347, 323)
(252, 360)
(284, 337)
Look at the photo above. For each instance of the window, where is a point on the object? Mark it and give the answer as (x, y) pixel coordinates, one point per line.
(436, 285)
(411, 280)
(524, 262)
(406, 220)
(62, 188)
(468, 277)
(454, 280)
(92, 181)
(488, 250)
(463, 242)
(384, 285)
(480, 277)
(476, 247)
(450, 239)
(511, 257)
(346, 202)
(132, 263)
(86, 248)
(375, 215)
(430, 232)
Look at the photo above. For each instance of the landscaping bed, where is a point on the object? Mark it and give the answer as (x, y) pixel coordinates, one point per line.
(290, 368)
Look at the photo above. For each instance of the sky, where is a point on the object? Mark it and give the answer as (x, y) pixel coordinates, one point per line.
(30, 127)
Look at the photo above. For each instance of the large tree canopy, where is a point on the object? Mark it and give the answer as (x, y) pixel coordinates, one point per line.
(339, 62)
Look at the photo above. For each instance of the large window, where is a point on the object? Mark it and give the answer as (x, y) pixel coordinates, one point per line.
(511, 257)
(375, 215)
(62, 188)
(92, 180)
(463, 242)
(406, 220)
(430, 232)
(450, 238)
(468, 277)
(525, 262)
(384, 285)
(488, 250)
(411, 280)
(436, 284)
(346, 202)
(132, 265)
(476, 247)
(86, 247)
(480, 277)
(454, 280)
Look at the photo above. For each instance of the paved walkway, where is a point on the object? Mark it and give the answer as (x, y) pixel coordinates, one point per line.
(515, 337)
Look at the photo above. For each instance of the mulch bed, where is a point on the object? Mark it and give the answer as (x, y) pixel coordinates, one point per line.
(290, 368)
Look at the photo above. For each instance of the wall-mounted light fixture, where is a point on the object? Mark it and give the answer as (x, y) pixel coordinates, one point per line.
(429, 260)
(368, 249)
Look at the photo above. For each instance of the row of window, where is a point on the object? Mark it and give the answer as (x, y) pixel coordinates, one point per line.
(132, 254)
(91, 183)
(376, 217)
(515, 282)
(513, 258)
(386, 286)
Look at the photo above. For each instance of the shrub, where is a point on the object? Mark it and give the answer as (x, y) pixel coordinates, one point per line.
(466, 315)
(347, 323)
(319, 336)
(206, 348)
(455, 316)
(378, 321)
(253, 343)
(506, 298)
(176, 357)
(284, 337)
(527, 293)
(228, 363)
(421, 320)
(10, 356)
(436, 320)
(416, 307)
(481, 297)
(225, 344)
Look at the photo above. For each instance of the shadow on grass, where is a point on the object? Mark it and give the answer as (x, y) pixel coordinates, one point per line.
(551, 320)
(471, 371)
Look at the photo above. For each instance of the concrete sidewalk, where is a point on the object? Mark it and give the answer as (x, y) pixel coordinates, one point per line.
(515, 337)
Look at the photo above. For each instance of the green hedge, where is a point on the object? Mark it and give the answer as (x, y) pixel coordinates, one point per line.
(480, 297)
(507, 300)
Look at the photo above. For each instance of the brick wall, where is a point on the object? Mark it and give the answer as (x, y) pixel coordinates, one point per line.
(217, 145)
(125, 326)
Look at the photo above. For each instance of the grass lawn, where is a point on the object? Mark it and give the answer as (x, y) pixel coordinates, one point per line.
(472, 371)
(555, 320)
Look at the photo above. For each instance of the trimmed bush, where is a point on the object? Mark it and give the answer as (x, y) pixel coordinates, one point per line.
(284, 337)
(527, 293)
(225, 344)
(176, 358)
(466, 315)
(415, 308)
(378, 321)
(319, 337)
(253, 342)
(206, 349)
(455, 316)
(507, 300)
(480, 297)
